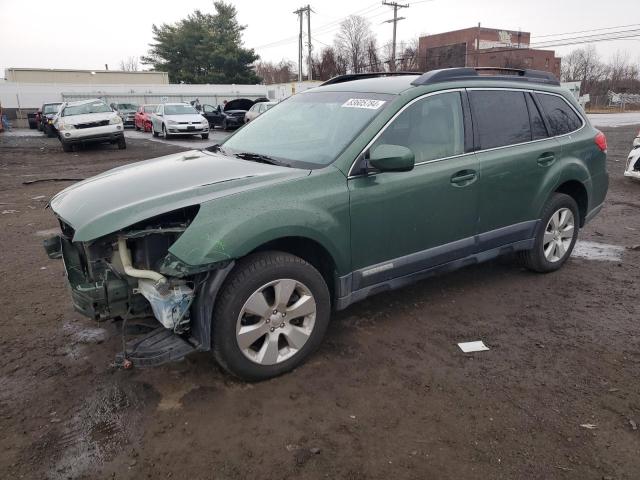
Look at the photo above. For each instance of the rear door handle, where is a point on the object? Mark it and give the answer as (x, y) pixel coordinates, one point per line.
(546, 159)
(464, 178)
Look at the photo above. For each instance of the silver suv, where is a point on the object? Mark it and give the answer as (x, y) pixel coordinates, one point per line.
(88, 121)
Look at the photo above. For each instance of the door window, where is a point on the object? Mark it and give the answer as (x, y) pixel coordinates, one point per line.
(538, 129)
(432, 128)
(501, 117)
(561, 116)
(208, 109)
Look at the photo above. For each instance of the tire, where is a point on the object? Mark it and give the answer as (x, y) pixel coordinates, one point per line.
(549, 254)
(260, 274)
(122, 143)
(49, 131)
(136, 127)
(165, 135)
(39, 126)
(224, 125)
(153, 131)
(205, 136)
(67, 147)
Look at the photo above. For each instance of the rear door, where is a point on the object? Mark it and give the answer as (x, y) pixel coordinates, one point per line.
(515, 155)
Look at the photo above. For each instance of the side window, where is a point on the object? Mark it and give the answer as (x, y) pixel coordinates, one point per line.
(560, 115)
(501, 117)
(207, 109)
(538, 129)
(431, 128)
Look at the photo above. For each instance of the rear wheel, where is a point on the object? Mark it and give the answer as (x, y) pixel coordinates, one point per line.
(270, 316)
(556, 235)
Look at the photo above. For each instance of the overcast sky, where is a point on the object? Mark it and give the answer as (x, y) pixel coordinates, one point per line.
(86, 34)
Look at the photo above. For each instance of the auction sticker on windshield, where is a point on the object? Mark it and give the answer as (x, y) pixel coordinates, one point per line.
(363, 103)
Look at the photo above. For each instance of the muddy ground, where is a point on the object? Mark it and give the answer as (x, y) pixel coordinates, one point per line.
(388, 395)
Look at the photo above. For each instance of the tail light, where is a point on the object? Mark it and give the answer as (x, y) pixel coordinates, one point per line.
(601, 141)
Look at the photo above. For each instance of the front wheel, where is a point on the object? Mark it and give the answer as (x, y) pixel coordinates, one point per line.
(164, 132)
(205, 136)
(153, 131)
(270, 316)
(556, 235)
(122, 143)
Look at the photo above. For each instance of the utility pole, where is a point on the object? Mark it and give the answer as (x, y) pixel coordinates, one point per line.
(309, 73)
(300, 12)
(395, 20)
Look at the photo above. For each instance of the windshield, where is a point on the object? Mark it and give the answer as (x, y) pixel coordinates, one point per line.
(179, 110)
(313, 128)
(53, 108)
(150, 108)
(127, 106)
(92, 107)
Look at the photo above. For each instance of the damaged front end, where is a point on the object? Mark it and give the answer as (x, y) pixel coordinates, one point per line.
(131, 273)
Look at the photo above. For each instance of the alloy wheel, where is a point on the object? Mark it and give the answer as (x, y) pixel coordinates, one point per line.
(276, 321)
(558, 235)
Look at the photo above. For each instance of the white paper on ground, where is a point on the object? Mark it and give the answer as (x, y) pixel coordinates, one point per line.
(468, 347)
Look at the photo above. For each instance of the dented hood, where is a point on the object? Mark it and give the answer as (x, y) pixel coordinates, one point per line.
(126, 195)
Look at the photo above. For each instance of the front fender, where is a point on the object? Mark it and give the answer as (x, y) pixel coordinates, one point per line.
(314, 207)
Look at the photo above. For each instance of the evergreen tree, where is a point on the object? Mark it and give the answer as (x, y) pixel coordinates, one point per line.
(203, 48)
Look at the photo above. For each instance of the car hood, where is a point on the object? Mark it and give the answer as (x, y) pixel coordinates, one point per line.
(238, 104)
(188, 117)
(86, 117)
(126, 195)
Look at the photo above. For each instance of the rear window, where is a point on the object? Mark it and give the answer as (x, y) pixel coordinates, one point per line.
(538, 128)
(560, 115)
(501, 117)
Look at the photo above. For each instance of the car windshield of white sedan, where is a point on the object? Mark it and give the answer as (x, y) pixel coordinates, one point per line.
(179, 110)
(308, 130)
(85, 108)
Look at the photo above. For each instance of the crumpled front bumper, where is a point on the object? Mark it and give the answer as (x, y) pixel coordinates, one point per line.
(101, 298)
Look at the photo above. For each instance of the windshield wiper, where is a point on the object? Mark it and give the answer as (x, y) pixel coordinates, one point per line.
(216, 148)
(257, 157)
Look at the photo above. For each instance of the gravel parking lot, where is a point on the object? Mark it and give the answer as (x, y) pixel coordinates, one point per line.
(389, 394)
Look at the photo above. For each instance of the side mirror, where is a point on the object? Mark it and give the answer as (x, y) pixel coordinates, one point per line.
(392, 158)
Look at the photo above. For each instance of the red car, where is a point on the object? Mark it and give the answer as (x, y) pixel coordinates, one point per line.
(142, 119)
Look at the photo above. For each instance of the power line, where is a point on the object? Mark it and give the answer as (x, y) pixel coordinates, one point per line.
(585, 31)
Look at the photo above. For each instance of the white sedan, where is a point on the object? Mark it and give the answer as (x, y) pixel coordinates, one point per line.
(171, 119)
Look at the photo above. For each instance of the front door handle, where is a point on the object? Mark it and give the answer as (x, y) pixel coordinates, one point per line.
(546, 159)
(464, 178)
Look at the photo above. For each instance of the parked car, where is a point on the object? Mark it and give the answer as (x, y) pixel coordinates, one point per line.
(257, 109)
(32, 119)
(48, 117)
(374, 183)
(172, 119)
(142, 120)
(231, 115)
(38, 119)
(632, 168)
(88, 121)
(127, 112)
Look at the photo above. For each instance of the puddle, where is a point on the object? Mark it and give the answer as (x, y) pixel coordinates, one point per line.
(597, 251)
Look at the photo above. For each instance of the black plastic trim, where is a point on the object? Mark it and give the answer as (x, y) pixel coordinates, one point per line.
(466, 73)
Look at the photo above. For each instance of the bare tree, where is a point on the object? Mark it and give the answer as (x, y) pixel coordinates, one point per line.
(328, 64)
(281, 72)
(352, 41)
(409, 56)
(583, 65)
(129, 65)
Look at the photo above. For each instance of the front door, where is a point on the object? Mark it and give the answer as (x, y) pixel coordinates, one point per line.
(405, 222)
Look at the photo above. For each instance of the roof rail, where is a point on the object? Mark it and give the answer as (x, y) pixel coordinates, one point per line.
(482, 73)
(359, 76)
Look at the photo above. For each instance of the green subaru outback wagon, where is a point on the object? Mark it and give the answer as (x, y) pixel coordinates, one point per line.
(362, 185)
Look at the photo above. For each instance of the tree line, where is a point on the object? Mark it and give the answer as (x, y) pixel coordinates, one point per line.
(208, 48)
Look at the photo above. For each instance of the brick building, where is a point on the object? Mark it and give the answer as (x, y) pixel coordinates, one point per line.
(484, 47)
